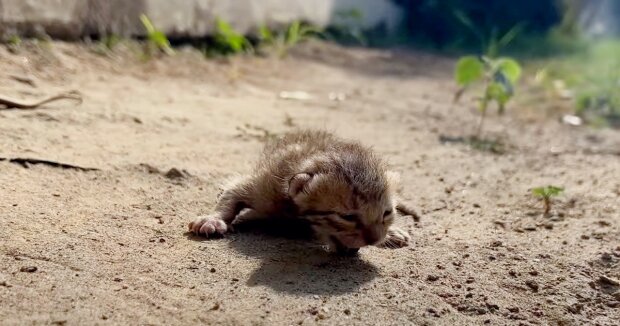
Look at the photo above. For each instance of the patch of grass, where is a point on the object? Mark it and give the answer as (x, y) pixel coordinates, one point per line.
(227, 41)
(157, 41)
(106, 44)
(498, 78)
(591, 78)
(282, 42)
(546, 193)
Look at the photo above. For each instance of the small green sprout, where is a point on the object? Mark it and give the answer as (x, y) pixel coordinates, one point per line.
(14, 40)
(229, 41)
(294, 34)
(498, 76)
(546, 193)
(156, 39)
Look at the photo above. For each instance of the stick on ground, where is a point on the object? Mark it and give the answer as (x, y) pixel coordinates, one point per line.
(6, 103)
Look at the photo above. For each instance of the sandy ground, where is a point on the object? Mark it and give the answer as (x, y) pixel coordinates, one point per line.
(110, 246)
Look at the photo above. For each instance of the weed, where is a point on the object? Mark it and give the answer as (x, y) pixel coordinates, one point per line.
(227, 41)
(499, 77)
(294, 34)
(546, 193)
(14, 41)
(156, 39)
(592, 80)
(106, 44)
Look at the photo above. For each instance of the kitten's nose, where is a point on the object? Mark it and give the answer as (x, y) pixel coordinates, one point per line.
(372, 235)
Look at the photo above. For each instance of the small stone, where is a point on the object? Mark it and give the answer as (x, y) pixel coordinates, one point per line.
(212, 270)
(28, 269)
(347, 312)
(608, 280)
(162, 240)
(532, 285)
(534, 273)
(585, 237)
(616, 295)
(476, 205)
(496, 243)
(5, 284)
(118, 279)
(529, 227)
(514, 310)
(174, 173)
(216, 306)
(432, 278)
(613, 304)
(575, 309)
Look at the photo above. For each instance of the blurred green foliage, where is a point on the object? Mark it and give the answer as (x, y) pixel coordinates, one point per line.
(480, 25)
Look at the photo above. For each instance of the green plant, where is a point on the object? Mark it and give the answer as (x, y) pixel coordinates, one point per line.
(592, 79)
(156, 39)
(14, 41)
(294, 34)
(498, 77)
(110, 41)
(546, 193)
(228, 41)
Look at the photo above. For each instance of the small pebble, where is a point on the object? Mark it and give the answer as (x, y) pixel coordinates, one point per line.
(609, 281)
(28, 269)
(532, 285)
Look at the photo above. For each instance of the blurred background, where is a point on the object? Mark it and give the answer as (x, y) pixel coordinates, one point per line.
(569, 45)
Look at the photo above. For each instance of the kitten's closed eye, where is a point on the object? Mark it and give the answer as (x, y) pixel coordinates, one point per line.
(349, 217)
(387, 213)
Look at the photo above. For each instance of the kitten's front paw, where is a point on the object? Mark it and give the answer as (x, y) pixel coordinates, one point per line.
(209, 226)
(396, 238)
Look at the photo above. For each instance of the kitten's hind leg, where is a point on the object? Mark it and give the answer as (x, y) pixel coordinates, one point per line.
(406, 210)
(233, 199)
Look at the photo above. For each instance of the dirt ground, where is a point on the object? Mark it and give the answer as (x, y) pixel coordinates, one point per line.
(110, 246)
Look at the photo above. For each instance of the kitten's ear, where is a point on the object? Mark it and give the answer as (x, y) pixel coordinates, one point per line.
(393, 179)
(298, 183)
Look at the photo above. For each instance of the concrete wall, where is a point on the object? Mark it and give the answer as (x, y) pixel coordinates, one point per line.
(70, 19)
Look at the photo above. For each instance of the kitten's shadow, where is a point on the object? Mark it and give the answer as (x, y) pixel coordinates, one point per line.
(291, 263)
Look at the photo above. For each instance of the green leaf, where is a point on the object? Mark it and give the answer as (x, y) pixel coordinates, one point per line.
(265, 34)
(548, 191)
(510, 68)
(498, 92)
(468, 70)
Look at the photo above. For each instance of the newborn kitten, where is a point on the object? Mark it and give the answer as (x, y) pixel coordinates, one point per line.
(340, 187)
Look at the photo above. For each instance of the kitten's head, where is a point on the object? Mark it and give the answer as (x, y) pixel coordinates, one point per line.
(350, 203)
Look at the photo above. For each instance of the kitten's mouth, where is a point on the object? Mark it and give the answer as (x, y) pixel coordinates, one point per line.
(341, 249)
